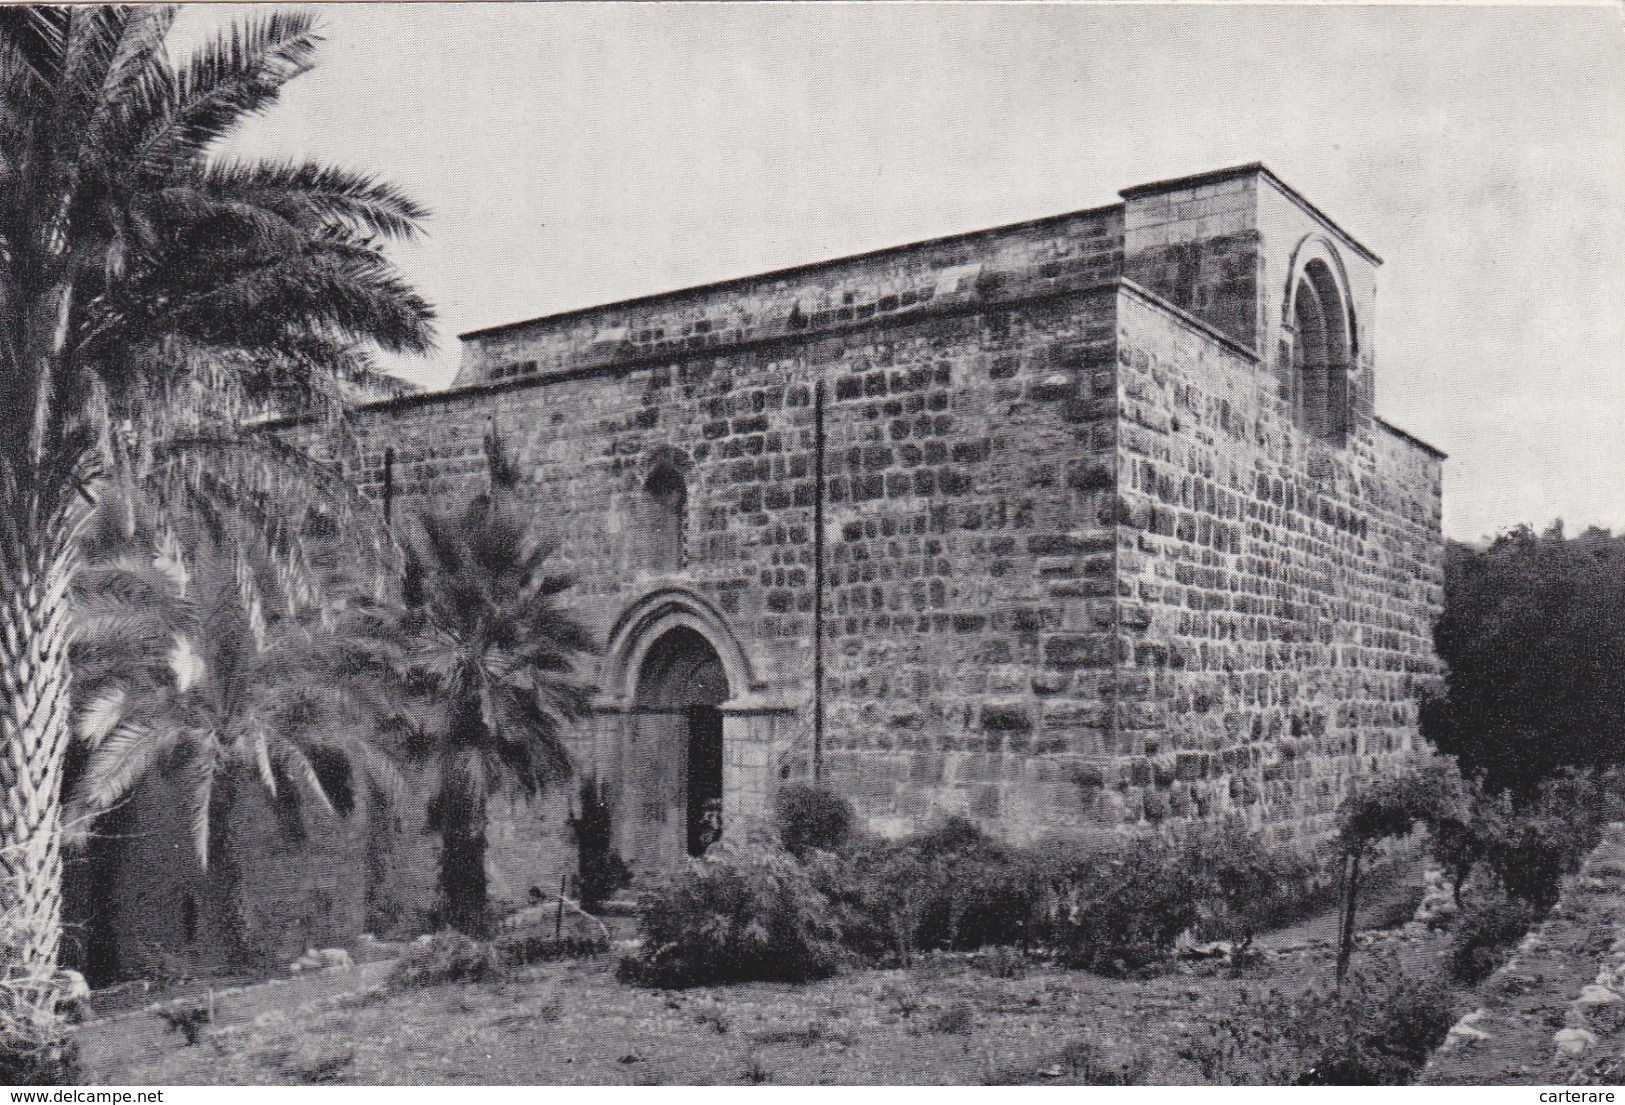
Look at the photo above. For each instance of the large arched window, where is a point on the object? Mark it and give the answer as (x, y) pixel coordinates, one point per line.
(663, 518)
(1321, 353)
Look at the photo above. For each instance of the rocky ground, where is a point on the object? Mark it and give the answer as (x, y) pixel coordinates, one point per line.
(1555, 1013)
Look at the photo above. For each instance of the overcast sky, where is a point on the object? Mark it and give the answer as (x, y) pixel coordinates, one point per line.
(576, 154)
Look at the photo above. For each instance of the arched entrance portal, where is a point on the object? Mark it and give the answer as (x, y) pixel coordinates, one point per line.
(676, 750)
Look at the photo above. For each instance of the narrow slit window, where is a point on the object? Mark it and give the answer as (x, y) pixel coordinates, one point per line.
(664, 518)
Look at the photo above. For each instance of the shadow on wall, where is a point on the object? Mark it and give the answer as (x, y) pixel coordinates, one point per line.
(139, 904)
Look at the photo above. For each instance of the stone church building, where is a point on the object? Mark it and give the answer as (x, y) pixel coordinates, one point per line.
(1080, 524)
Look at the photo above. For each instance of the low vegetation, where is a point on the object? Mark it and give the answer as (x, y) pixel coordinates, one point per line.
(451, 956)
(768, 911)
(1377, 1029)
(741, 914)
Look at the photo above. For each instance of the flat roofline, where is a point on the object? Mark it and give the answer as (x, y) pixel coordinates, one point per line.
(1410, 437)
(793, 270)
(1252, 168)
(661, 357)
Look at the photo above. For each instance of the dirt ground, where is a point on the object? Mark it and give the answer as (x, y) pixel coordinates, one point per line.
(951, 1020)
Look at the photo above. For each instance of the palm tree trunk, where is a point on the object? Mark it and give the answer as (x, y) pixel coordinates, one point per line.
(462, 854)
(34, 734)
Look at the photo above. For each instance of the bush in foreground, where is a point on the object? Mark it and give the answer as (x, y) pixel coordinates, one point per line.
(1120, 911)
(742, 913)
(1377, 1029)
(809, 818)
(949, 888)
(1487, 928)
(447, 956)
(1245, 887)
(756, 913)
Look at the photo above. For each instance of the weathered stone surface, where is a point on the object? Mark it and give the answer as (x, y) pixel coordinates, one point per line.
(1251, 586)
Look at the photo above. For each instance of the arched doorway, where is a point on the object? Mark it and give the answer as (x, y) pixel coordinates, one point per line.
(675, 753)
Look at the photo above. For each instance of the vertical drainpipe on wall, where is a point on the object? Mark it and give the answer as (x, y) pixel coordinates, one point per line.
(818, 582)
(389, 481)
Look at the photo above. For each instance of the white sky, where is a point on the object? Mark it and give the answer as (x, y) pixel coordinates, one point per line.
(577, 154)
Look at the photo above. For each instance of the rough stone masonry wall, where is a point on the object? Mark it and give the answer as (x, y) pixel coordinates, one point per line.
(967, 548)
(1277, 594)
(267, 894)
(967, 466)
(966, 474)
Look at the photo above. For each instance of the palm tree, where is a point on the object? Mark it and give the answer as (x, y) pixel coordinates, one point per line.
(186, 668)
(484, 656)
(150, 297)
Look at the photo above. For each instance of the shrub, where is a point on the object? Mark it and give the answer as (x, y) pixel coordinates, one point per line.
(956, 1020)
(1530, 847)
(953, 888)
(1527, 844)
(1119, 911)
(600, 869)
(1003, 962)
(518, 949)
(189, 1018)
(448, 956)
(810, 817)
(1245, 887)
(36, 1049)
(742, 913)
(979, 892)
(877, 894)
(1379, 1030)
(1376, 1029)
(1487, 927)
(948, 888)
(1530, 854)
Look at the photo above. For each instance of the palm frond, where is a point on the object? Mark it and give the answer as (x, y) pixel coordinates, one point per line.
(119, 763)
(101, 715)
(309, 194)
(259, 748)
(293, 761)
(232, 78)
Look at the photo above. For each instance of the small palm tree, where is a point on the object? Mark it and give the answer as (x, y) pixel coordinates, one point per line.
(189, 670)
(485, 656)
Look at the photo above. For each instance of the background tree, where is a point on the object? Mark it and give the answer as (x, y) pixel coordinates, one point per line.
(485, 658)
(1533, 633)
(149, 293)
